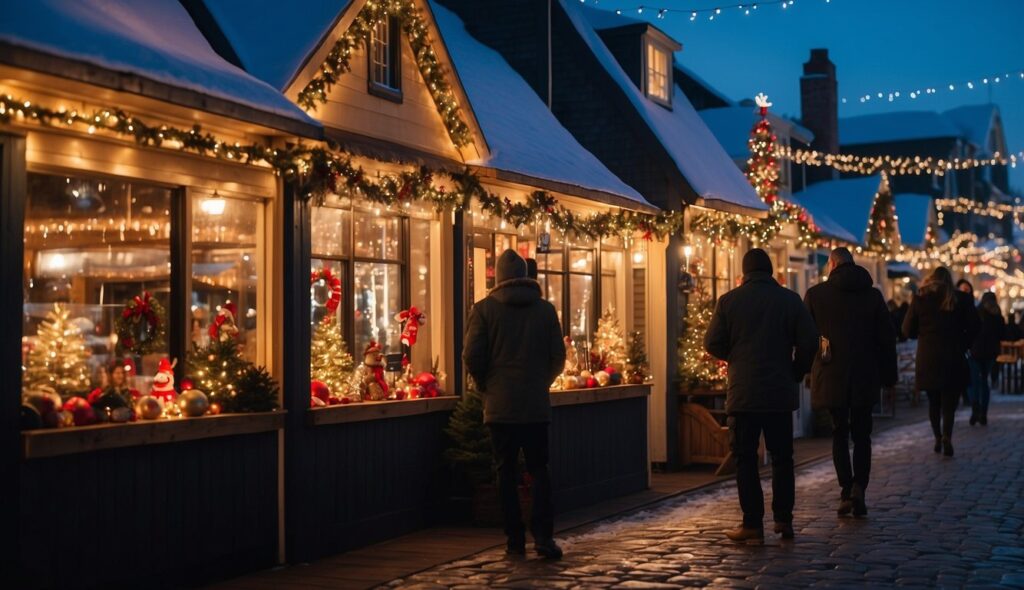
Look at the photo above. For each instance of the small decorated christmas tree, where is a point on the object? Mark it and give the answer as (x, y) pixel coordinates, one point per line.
(216, 370)
(58, 356)
(883, 234)
(636, 359)
(255, 391)
(329, 360)
(469, 448)
(697, 368)
(609, 341)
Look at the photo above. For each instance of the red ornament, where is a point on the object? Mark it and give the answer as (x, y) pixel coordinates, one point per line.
(591, 382)
(319, 389)
(81, 411)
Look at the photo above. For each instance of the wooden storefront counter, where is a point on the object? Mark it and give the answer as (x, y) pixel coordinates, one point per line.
(362, 412)
(82, 439)
(570, 397)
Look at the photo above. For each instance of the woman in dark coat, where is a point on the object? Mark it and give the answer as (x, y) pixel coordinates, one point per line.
(945, 324)
(983, 355)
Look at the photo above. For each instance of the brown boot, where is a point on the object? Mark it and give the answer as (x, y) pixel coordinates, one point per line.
(845, 507)
(744, 534)
(785, 529)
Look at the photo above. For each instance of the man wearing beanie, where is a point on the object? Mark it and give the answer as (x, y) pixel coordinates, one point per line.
(513, 351)
(769, 340)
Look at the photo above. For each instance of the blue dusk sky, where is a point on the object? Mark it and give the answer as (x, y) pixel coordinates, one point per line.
(877, 46)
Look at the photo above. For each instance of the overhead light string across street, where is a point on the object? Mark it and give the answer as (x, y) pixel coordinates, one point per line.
(706, 14)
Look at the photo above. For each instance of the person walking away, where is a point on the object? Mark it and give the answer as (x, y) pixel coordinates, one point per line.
(1013, 332)
(856, 358)
(965, 286)
(983, 356)
(945, 324)
(513, 351)
(768, 338)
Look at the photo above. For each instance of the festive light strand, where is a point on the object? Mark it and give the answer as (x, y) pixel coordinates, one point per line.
(893, 165)
(711, 14)
(982, 81)
(415, 27)
(964, 205)
(320, 171)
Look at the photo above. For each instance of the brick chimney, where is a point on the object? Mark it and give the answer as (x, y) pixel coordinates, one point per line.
(819, 109)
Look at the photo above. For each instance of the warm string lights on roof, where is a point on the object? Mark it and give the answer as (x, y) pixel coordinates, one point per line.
(893, 165)
(975, 83)
(707, 14)
(965, 205)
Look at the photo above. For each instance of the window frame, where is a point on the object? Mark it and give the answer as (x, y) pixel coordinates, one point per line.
(392, 88)
(650, 44)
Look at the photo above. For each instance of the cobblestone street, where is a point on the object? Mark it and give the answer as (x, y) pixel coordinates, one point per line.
(932, 521)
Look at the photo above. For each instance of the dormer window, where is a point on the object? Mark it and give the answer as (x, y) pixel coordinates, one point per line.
(385, 59)
(658, 67)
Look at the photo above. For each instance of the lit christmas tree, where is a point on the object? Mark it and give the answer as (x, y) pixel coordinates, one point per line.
(58, 356)
(216, 369)
(329, 360)
(609, 341)
(883, 233)
(697, 368)
(637, 369)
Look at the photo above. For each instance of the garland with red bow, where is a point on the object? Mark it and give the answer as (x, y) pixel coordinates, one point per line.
(140, 327)
(334, 284)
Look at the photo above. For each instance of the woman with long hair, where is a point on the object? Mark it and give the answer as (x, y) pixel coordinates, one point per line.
(945, 324)
(983, 356)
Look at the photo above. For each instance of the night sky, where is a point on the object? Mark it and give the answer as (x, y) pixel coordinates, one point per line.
(877, 45)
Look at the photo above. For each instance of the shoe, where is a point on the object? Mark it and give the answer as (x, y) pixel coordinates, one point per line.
(515, 547)
(938, 445)
(845, 507)
(947, 447)
(973, 419)
(859, 507)
(785, 529)
(744, 534)
(548, 549)
(983, 420)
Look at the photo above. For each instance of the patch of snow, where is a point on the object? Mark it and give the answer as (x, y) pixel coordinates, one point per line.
(847, 202)
(522, 134)
(271, 38)
(914, 212)
(706, 166)
(155, 39)
(892, 127)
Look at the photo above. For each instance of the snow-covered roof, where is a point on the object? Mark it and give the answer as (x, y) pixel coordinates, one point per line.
(898, 126)
(606, 19)
(847, 201)
(731, 127)
(273, 40)
(914, 212)
(700, 80)
(975, 123)
(522, 134)
(706, 166)
(155, 39)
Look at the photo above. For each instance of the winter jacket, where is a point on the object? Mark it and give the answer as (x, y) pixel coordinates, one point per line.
(514, 350)
(987, 345)
(943, 338)
(852, 315)
(768, 338)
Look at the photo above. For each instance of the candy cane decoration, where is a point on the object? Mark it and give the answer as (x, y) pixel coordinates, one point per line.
(411, 319)
(334, 283)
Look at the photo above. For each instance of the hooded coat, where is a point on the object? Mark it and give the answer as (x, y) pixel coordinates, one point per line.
(513, 347)
(766, 335)
(943, 339)
(988, 344)
(852, 315)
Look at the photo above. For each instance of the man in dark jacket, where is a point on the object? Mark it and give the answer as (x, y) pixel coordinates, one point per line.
(857, 357)
(766, 335)
(514, 350)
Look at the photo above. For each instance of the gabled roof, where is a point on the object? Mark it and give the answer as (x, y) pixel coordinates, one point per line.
(692, 147)
(272, 38)
(975, 123)
(523, 136)
(893, 127)
(846, 201)
(152, 48)
(731, 127)
(914, 213)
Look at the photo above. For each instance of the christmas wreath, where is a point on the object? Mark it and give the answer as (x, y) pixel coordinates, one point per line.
(140, 327)
(334, 284)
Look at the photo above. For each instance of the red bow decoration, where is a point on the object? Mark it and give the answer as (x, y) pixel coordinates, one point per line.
(411, 320)
(334, 283)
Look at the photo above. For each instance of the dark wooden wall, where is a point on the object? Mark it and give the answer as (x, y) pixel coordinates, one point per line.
(152, 516)
(598, 451)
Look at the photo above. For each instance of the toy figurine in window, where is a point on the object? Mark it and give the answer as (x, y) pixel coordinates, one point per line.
(368, 378)
(163, 386)
(410, 320)
(225, 327)
(572, 362)
(115, 402)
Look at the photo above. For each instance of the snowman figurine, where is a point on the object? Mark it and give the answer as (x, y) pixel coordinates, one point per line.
(163, 387)
(369, 376)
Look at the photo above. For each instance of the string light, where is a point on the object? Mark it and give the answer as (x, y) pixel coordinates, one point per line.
(744, 8)
(965, 205)
(892, 95)
(893, 165)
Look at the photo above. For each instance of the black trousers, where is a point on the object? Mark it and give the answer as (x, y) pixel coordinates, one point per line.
(942, 411)
(507, 440)
(745, 434)
(856, 423)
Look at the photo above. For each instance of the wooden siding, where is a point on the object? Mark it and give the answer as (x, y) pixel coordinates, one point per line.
(160, 515)
(598, 451)
(413, 122)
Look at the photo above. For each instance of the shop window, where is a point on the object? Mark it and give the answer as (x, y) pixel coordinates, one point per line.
(385, 59)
